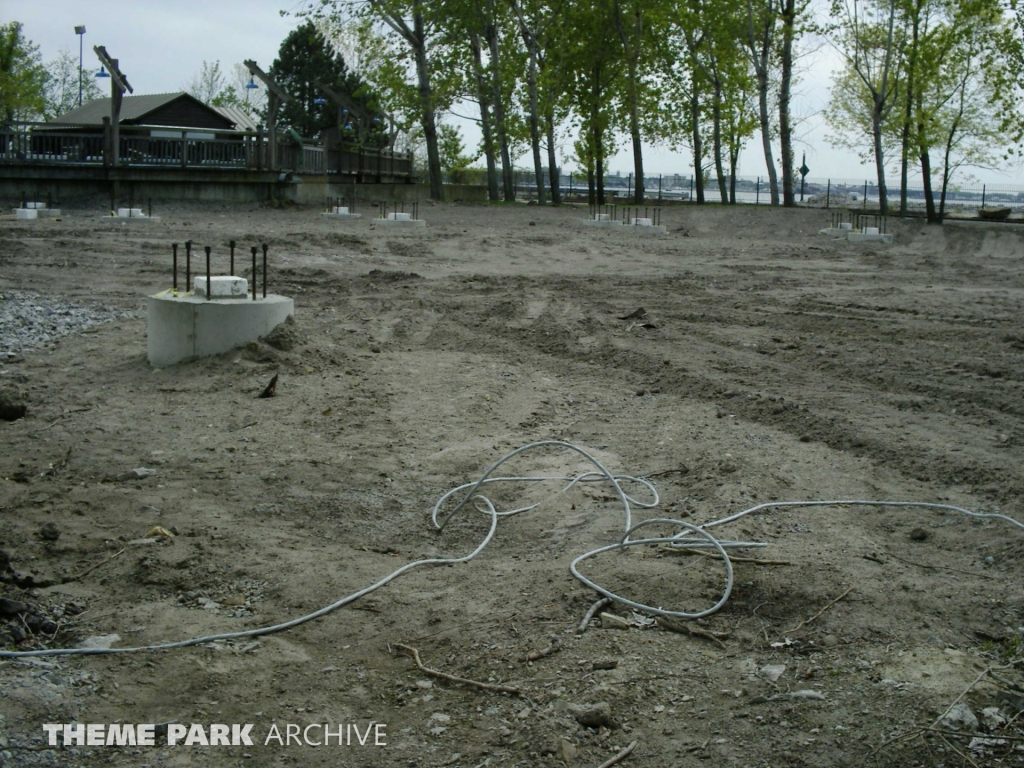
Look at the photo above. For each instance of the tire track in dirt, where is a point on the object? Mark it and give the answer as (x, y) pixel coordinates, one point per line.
(763, 403)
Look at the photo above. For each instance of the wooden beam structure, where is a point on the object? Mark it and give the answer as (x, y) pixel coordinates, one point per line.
(118, 85)
(276, 96)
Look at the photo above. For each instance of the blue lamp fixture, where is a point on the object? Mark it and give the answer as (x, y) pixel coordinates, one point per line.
(251, 85)
(320, 101)
(102, 72)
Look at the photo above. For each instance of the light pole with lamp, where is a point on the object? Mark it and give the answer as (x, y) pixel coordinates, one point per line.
(80, 31)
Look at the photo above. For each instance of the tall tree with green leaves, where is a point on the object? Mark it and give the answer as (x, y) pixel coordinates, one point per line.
(495, 21)
(642, 28)
(415, 25)
(305, 58)
(536, 21)
(762, 18)
(961, 96)
(22, 76)
(792, 12)
(591, 77)
(871, 35)
(717, 55)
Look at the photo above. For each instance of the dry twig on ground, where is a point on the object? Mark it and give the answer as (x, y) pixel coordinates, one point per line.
(688, 629)
(619, 757)
(453, 678)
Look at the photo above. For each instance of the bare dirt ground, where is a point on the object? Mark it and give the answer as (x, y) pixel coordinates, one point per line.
(771, 364)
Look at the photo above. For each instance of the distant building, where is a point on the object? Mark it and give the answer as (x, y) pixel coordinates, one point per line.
(161, 113)
(162, 129)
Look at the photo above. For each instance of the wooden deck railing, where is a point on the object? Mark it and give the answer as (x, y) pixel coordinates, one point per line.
(46, 144)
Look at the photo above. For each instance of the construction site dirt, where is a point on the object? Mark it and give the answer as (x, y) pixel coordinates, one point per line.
(738, 359)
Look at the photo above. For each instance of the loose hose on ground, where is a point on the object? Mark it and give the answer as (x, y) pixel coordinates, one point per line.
(689, 536)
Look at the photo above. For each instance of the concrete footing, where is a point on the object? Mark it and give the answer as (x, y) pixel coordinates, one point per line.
(341, 213)
(222, 287)
(869, 237)
(602, 223)
(400, 220)
(36, 211)
(835, 233)
(134, 218)
(183, 328)
(865, 235)
(646, 229)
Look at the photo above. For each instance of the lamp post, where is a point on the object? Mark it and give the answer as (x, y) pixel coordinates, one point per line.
(80, 31)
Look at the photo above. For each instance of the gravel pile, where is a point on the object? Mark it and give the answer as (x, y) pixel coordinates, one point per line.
(28, 320)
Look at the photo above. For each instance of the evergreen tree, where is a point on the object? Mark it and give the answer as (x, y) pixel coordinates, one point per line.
(304, 59)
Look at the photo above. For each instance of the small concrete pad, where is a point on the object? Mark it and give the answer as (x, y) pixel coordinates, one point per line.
(42, 212)
(127, 219)
(605, 223)
(869, 237)
(398, 219)
(835, 233)
(183, 328)
(222, 286)
(646, 229)
(341, 213)
(26, 214)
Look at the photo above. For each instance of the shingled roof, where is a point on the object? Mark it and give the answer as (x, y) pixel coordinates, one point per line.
(179, 110)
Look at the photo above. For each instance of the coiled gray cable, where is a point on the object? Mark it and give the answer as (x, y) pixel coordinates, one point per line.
(690, 536)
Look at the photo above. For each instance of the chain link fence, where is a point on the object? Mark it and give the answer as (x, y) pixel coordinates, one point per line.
(820, 192)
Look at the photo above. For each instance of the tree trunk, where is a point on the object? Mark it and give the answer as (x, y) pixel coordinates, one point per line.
(638, 154)
(785, 88)
(734, 156)
(766, 140)
(876, 130)
(428, 119)
(761, 55)
(534, 121)
(591, 182)
(905, 154)
(556, 192)
(909, 110)
(946, 170)
(485, 116)
(491, 34)
(929, 194)
(598, 131)
(698, 149)
(716, 132)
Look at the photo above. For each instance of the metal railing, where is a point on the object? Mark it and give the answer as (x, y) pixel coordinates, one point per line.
(369, 162)
(816, 192)
(45, 144)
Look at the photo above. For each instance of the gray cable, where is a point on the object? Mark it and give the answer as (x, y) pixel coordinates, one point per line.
(692, 536)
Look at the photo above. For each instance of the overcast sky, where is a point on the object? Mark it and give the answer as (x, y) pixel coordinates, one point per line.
(161, 44)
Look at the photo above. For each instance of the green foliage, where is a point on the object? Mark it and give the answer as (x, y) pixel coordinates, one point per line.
(305, 58)
(449, 143)
(954, 66)
(22, 76)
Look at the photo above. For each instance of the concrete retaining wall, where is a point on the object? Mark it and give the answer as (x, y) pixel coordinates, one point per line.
(64, 184)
